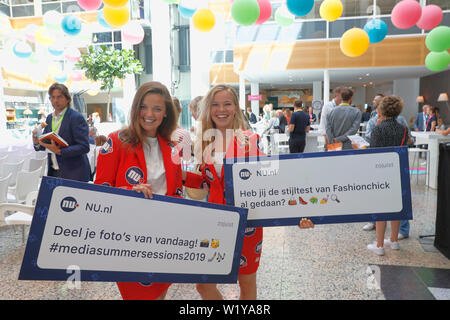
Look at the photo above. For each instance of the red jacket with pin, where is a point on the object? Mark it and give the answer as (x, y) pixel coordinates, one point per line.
(120, 165)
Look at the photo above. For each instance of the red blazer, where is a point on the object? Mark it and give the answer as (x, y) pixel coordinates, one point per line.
(120, 165)
(214, 180)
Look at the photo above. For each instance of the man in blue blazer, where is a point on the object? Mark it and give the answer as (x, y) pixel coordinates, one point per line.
(421, 119)
(69, 162)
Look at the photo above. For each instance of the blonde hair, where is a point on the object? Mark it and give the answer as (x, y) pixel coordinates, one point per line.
(206, 125)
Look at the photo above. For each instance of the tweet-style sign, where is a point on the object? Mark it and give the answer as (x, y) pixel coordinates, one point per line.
(326, 187)
(113, 234)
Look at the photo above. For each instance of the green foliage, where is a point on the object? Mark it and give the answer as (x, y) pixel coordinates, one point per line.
(105, 64)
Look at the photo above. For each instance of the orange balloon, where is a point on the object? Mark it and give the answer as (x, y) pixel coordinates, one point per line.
(116, 17)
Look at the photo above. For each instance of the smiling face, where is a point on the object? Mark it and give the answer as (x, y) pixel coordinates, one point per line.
(151, 113)
(223, 110)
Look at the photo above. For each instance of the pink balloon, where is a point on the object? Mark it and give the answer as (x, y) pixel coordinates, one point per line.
(90, 5)
(405, 14)
(76, 75)
(265, 10)
(431, 17)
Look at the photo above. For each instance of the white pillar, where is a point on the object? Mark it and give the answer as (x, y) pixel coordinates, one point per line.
(254, 90)
(162, 64)
(326, 86)
(317, 91)
(242, 96)
(200, 59)
(408, 90)
(2, 107)
(129, 89)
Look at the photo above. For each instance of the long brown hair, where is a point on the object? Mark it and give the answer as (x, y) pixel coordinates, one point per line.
(134, 134)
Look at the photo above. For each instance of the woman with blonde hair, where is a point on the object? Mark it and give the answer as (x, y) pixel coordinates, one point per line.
(142, 158)
(221, 134)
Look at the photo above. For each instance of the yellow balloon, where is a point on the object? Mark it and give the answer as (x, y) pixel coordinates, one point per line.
(116, 18)
(331, 10)
(354, 42)
(203, 20)
(115, 3)
(43, 36)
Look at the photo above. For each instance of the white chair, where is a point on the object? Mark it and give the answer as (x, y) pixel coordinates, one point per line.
(2, 161)
(415, 163)
(12, 168)
(40, 155)
(4, 182)
(38, 164)
(26, 182)
(23, 215)
(281, 141)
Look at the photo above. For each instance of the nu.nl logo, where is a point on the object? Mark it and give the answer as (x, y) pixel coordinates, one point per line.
(68, 204)
(245, 174)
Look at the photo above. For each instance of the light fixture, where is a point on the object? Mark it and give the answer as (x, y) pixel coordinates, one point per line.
(420, 99)
(443, 97)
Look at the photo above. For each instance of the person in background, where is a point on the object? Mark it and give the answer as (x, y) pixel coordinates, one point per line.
(326, 109)
(343, 120)
(69, 162)
(367, 114)
(251, 116)
(374, 121)
(180, 136)
(144, 149)
(420, 123)
(193, 107)
(388, 133)
(299, 125)
(312, 116)
(432, 120)
(282, 121)
(287, 113)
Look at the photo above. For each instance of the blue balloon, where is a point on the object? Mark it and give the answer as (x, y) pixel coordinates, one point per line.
(376, 29)
(101, 19)
(71, 25)
(60, 77)
(186, 12)
(300, 8)
(22, 52)
(55, 51)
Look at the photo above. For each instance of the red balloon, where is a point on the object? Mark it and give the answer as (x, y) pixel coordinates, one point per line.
(265, 10)
(431, 17)
(405, 14)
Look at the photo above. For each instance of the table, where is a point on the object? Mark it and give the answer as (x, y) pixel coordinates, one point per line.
(432, 139)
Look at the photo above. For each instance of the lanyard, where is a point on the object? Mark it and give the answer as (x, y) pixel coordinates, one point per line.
(56, 126)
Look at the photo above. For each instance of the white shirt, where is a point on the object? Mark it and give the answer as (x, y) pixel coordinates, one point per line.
(323, 117)
(56, 118)
(156, 173)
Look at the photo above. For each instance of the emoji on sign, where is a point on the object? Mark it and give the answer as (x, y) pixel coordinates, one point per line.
(214, 243)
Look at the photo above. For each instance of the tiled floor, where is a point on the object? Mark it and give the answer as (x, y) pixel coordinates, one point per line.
(327, 262)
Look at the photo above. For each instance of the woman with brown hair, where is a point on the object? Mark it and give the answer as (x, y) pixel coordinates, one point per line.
(141, 158)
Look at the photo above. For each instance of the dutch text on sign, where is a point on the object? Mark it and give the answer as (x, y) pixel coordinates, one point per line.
(122, 234)
(352, 185)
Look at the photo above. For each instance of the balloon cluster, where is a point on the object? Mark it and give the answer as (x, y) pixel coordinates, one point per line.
(408, 13)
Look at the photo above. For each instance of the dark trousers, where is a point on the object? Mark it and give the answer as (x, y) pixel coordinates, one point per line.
(296, 146)
(53, 173)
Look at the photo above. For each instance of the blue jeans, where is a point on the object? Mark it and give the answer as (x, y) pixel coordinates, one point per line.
(404, 228)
